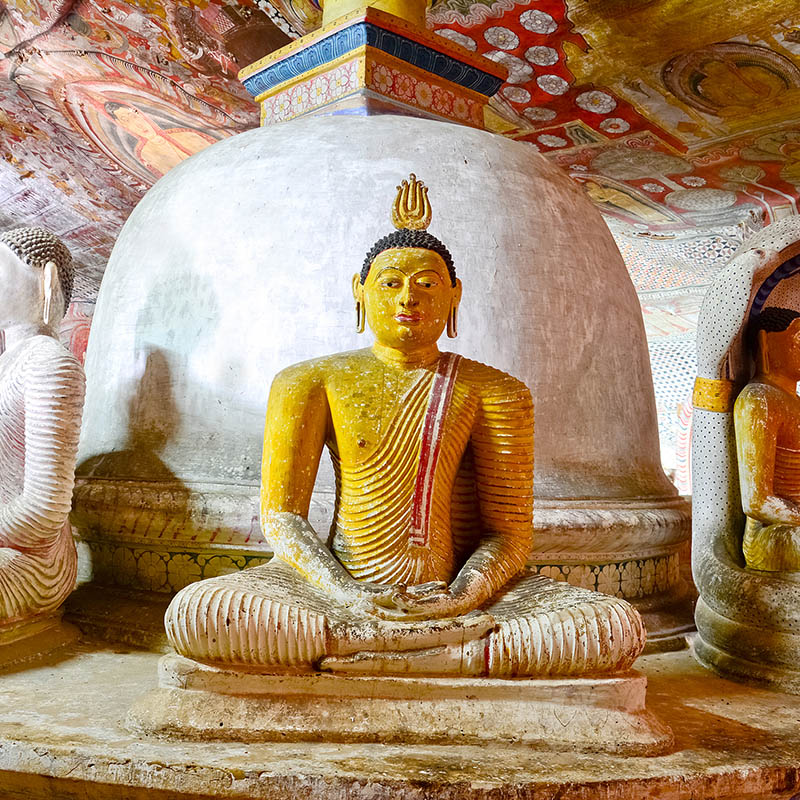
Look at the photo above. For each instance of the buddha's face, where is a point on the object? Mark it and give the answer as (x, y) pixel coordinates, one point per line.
(783, 349)
(408, 296)
(131, 119)
(20, 290)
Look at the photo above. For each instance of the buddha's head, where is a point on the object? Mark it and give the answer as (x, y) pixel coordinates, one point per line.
(775, 339)
(408, 290)
(36, 277)
(130, 118)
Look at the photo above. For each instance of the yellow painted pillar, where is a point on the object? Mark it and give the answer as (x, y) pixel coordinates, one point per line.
(412, 11)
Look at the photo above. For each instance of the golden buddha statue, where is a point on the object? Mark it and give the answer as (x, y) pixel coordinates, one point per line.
(424, 569)
(767, 422)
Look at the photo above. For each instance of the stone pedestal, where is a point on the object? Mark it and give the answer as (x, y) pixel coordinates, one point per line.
(195, 701)
(34, 638)
(62, 736)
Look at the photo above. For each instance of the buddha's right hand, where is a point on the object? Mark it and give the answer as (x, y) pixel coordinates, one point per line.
(367, 633)
(371, 598)
(385, 601)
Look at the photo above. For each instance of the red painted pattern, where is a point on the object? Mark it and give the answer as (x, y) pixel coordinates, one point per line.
(438, 405)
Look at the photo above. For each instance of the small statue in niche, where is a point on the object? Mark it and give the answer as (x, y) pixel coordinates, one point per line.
(41, 402)
(767, 422)
(424, 569)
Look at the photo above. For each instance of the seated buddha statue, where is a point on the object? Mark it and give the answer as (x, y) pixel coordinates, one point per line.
(41, 402)
(424, 570)
(767, 423)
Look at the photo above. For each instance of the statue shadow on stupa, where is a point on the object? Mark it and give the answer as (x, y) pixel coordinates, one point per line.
(154, 415)
(152, 422)
(162, 394)
(131, 509)
(152, 419)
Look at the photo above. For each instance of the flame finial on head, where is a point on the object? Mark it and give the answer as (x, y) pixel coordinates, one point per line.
(412, 210)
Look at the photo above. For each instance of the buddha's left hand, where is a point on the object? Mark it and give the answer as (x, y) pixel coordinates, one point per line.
(432, 600)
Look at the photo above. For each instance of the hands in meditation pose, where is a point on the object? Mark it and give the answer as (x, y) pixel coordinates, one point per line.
(424, 568)
(767, 421)
(41, 400)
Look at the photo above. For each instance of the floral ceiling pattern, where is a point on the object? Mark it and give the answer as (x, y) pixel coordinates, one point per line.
(672, 115)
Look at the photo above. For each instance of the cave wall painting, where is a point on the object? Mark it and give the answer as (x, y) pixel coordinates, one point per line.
(99, 99)
(589, 77)
(141, 122)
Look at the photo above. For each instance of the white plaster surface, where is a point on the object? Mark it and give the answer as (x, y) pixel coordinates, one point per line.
(238, 263)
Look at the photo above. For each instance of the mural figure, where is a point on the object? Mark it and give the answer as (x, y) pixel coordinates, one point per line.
(141, 121)
(159, 149)
(624, 201)
(782, 146)
(732, 79)
(223, 39)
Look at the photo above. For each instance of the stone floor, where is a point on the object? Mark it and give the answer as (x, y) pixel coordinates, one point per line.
(61, 737)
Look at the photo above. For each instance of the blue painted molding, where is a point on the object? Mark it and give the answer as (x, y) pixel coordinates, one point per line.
(363, 33)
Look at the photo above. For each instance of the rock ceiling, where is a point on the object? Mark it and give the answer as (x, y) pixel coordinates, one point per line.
(673, 114)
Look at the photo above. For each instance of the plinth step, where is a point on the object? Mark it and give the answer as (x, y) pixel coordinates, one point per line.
(199, 702)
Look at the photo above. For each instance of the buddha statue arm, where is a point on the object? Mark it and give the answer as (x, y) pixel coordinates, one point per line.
(502, 444)
(52, 389)
(757, 419)
(298, 417)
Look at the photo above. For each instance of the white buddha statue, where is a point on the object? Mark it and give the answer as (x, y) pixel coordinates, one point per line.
(41, 401)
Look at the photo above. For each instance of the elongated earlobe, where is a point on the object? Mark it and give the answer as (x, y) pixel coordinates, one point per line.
(763, 356)
(48, 295)
(452, 321)
(361, 317)
(358, 296)
(52, 296)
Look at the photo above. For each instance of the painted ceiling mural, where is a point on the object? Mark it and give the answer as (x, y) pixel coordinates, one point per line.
(680, 118)
(696, 123)
(672, 114)
(99, 99)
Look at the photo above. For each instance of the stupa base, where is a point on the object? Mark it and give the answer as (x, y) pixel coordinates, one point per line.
(637, 549)
(114, 614)
(669, 628)
(34, 638)
(742, 652)
(195, 701)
